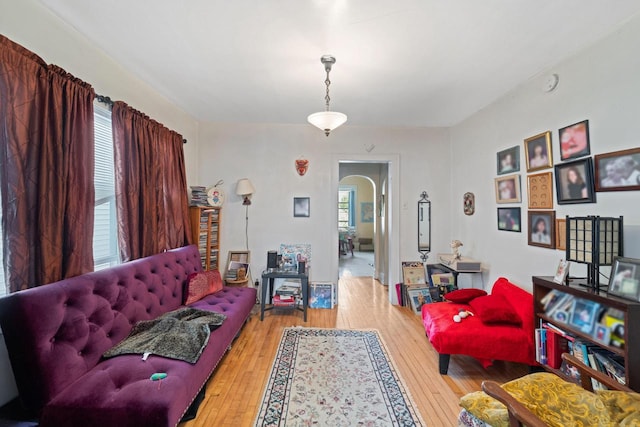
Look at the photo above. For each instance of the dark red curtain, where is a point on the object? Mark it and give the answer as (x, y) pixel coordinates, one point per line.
(46, 167)
(151, 188)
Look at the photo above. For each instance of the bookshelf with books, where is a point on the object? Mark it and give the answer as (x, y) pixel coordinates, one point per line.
(205, 232)
(591, 326)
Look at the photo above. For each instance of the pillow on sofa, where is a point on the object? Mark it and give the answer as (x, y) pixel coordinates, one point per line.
(495, 309)
(463, 296)
(201, 284)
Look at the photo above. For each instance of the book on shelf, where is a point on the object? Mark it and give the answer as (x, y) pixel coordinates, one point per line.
(284, 300)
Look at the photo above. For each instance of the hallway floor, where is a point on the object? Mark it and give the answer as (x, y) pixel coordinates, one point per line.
(359, 265)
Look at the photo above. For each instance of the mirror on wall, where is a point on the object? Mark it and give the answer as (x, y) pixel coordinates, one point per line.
(424, 226)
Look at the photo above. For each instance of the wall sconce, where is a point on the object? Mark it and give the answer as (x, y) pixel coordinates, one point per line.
(245, 189)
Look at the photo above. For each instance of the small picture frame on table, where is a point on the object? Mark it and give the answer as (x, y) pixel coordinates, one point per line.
(618, 170)
(574, 182)
(537, 151)
(562, 271)
(508, 189)
(541, 231)
(624, 281)
(574, 140)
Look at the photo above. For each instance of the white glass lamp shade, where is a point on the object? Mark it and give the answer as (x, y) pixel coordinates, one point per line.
(327, 120)
(244, 187)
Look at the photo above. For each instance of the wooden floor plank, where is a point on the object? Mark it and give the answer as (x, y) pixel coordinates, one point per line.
(234, 392)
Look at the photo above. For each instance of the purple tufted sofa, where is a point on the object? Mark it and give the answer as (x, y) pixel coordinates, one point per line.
(56, 335)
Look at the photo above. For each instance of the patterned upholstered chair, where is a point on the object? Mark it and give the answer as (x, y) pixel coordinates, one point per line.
(544, 399)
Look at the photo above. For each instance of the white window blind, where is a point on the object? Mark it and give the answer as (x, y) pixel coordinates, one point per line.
(105, 244)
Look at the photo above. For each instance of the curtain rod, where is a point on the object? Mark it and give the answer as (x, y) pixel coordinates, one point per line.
(109, 102)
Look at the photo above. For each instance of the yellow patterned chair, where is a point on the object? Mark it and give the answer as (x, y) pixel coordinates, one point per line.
(544, 399)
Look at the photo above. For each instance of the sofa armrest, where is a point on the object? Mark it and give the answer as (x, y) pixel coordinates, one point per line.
(519, 415)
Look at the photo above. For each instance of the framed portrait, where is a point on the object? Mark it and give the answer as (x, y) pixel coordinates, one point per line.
(618, 170)
(509, 219)
(574, 182)
(574, 140)
(602, 334)
(301, 206)
(540, 190)
(583, 315)
(537, 150)
(418, 297)
(508, 189)
(541, 229)
(413, 273)
(366, 211)
(624, 280)
(561, 234)
(509, 160)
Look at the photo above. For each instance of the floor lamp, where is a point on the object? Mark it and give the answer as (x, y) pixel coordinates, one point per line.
(245, 189)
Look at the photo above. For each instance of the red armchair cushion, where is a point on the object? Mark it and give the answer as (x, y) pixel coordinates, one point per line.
(495, 309)
(201, 284)
(463, 296)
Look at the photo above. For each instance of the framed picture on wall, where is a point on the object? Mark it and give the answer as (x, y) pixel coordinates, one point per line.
(509, 160)
(508, 189)
(574, 140)
(509, 219)
(540, 190)
(301, 206)
(366, 212)
(537, 151)
(574, 182)
(618, 170)
(542, 225)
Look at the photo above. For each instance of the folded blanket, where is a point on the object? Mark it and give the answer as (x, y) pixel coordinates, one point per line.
(181, 334)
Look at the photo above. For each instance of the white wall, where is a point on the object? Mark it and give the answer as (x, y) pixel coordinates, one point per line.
(600, 84)
(265, 154)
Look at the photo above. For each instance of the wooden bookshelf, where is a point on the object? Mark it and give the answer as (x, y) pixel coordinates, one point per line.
(205, 232)
(631, 319)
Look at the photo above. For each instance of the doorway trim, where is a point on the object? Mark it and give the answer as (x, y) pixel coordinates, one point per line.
(393, 211)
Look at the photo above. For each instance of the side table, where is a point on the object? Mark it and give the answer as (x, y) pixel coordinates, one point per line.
(268, 278)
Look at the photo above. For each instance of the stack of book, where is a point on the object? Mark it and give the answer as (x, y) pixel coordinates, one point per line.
(286, 295)
(199, 196)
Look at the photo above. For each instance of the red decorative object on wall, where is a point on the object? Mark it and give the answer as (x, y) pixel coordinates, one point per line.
(302, 165)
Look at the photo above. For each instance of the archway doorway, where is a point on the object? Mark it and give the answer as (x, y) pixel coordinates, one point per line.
(356, 226)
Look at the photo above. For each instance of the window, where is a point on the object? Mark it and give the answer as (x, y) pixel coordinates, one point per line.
(346, 207)
(105, 243)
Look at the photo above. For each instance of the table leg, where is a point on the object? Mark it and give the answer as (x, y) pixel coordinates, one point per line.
(263, 293)
(304, 282)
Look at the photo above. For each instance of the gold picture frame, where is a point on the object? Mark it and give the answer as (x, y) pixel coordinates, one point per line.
(508, 189)
(234, 259)
(561, 234)
(537, 152)
(540, 190)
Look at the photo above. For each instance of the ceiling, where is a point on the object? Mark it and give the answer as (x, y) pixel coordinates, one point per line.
(399, 63)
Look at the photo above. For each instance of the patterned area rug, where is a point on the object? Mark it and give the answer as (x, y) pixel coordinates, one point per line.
(334, 377)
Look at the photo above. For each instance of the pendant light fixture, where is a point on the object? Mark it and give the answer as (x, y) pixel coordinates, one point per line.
(327, 120)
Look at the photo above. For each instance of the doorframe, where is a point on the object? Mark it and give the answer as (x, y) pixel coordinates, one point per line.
(393, 211)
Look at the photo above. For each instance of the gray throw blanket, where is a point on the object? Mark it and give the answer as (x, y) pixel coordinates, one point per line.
(181, 334)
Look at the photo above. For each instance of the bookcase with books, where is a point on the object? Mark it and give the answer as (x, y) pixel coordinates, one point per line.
(205, 232)
(597, 328)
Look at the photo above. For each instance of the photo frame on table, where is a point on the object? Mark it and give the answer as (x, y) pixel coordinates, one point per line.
(574, 182)
(574, 140)
(413, 273)
(542, 227)
(583, 315)
(508, 160)
(618, 170)
(561, 234)
(509, 219)
(540, 190)
(508, 189)
(624, 280)
(418, 297)
(537, 150)
(301, 206)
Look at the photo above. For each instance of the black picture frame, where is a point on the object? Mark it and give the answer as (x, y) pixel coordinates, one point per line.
(544, 237)
(624, 280)
(301, 207)
(510, 219)
(508, 161)
(618, 170)
(574, 140)
(580, 191)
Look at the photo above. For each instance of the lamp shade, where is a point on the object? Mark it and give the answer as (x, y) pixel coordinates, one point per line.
(244, 187)
(327, 120)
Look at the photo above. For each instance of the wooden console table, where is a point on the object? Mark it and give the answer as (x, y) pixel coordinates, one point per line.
(268, 277)
(461, 265)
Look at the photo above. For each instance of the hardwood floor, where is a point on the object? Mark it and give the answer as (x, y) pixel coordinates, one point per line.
(234, 392)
